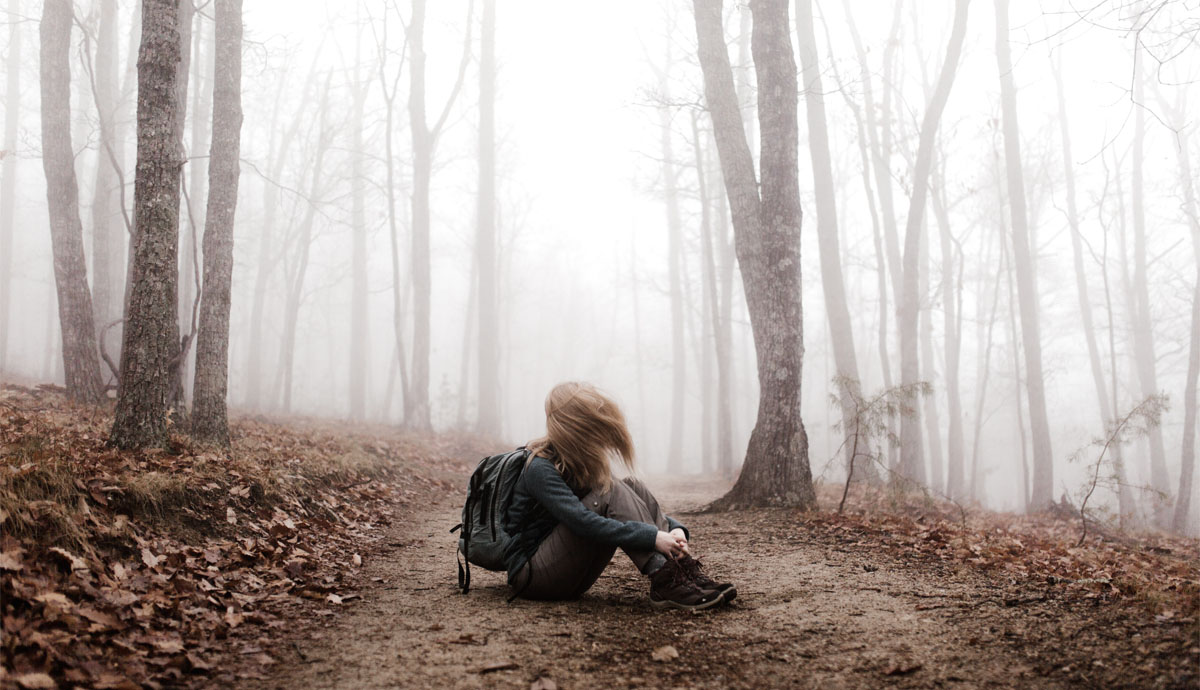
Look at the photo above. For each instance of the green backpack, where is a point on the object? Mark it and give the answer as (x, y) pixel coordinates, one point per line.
(489, 494)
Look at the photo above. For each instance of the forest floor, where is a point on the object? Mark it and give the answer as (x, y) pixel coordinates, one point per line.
(336, 570)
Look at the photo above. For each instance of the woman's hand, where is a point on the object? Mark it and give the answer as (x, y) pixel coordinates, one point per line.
(681, 536)
(670, 544)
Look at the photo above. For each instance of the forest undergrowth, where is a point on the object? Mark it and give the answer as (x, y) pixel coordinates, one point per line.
(184, 566)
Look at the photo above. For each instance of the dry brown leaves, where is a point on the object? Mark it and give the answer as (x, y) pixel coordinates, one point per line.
(119, 570)
(1156, 572)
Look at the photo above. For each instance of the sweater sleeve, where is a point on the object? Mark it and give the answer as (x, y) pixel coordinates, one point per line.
(548, 487)
(672, 523)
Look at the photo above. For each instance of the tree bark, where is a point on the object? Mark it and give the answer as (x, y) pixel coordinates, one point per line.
(81, 359)
(1023, 261)
(8, 175)
(912, 464)
(210, 420)
(767, 238)
(488, 340)
(151, 337)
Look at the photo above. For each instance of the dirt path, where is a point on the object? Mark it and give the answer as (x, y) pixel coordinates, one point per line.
(813, 611)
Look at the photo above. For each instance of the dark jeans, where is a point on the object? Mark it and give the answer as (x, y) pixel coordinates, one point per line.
(567, 565)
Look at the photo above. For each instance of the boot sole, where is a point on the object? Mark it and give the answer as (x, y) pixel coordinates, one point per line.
(729, 593)
(668, 604)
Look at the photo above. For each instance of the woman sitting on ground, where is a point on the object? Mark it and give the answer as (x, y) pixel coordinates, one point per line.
(568, 515)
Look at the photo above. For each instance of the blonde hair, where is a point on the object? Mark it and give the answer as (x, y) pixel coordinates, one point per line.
(583, 426)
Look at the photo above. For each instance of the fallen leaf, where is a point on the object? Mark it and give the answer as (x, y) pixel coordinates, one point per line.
(35, 681)
(230, 516)
(76, 562)
(333, 598)
(11, 560)
(665, 653)
(357, 559)
(150, 559)
(543, 683)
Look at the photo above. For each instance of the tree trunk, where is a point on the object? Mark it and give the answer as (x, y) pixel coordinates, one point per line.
(710, 312)
(1187, 463)
(724, 330)
(674, 269)
(417, 396)
(151, 337)
(984, 371)
(1043, 459)
(767, 238)
(488, 340)
(209, 416)
(81, 359)
(108, 235)
(8, 175)
(1022, 437)
(912, 464)
(1143, 326)
(833, 285)
(295, 287)
(952, 288)
(933, 438)
(201, 116)
(359, 297)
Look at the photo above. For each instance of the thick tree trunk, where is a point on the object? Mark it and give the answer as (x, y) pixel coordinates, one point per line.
(151, 338)
(767, 237)
(488, 402)
(81, 359)
(674, 280)
(8, 175)
(209, 416)
(912, 464)
(1023, 260)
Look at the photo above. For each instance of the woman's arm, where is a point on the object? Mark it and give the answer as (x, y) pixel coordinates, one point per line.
(546, 485)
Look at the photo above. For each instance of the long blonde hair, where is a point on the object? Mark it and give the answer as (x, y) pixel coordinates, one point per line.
(583, 426)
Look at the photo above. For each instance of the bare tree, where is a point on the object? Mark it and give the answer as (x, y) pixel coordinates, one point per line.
(1143, 328)
(149, 354)
(424, 142)
(912, 464)
(81, 359)
(488, 340)
(833, 285)
(1023, 262)
(767, 236)
(359, 324)
(109, 240)
(210, 419)
(674, 272)
(8, 173)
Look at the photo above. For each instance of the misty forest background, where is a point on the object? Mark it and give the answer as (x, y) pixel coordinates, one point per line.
(443, 210)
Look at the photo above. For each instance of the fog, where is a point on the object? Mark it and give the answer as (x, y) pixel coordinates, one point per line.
(589, 284)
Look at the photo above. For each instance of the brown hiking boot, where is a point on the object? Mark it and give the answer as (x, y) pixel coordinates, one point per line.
(695, 571)
(671, 587)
